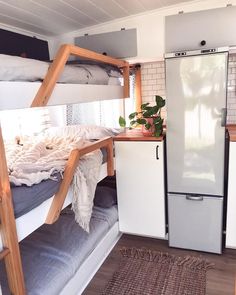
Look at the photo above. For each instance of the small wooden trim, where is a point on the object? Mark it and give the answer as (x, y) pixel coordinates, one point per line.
(126, 80)
(4, 253)
(138, 89)
(8, 229)
(232, 132)
(59, 198)
(134, 135)
(43, 95)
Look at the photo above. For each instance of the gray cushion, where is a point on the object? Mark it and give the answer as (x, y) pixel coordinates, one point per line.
(105, 197)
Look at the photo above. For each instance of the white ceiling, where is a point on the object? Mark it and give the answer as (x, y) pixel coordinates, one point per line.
(54, 17)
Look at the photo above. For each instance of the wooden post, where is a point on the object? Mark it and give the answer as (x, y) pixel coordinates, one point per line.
(8, 229)
(4, 253)
(126, 80)
(138, 88)
(72, 163)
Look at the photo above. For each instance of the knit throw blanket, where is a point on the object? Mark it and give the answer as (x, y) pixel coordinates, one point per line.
(38, 158)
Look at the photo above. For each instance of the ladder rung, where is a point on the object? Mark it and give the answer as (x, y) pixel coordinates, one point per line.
(4, 253)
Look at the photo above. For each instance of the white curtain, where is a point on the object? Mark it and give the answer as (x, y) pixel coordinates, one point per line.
(102, 113)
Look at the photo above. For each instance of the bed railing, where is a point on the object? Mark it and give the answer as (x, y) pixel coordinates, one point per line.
(71, 165)
(43, 95)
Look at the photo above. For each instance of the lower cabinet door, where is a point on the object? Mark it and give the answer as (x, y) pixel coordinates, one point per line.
(231, 203)
(140, 187)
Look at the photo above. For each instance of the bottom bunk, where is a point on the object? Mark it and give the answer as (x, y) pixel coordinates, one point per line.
(62, 258)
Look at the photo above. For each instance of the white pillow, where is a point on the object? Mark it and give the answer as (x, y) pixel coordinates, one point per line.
(85, 131)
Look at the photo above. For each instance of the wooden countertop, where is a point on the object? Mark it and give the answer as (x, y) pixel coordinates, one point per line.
(232, 132)
(135, 135)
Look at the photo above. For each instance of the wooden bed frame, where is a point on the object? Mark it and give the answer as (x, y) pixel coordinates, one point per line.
(62, 93)
(10, 252)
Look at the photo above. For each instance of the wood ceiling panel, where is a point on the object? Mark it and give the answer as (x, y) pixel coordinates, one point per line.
(172, 2)
(64, 7)
(25, 26)
(54, 17)
(64, 11)
(28, 12)
(24, 16)
(113, 9)
(150, 4)
(131, 6)
(88, 8)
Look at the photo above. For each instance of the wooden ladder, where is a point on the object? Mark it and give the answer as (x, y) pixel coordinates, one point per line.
(10, 252)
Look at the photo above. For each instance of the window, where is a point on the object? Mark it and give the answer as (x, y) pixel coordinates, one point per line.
(102, 113)
(24, 122)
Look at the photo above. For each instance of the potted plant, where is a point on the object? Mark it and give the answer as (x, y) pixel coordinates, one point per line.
(149, 117)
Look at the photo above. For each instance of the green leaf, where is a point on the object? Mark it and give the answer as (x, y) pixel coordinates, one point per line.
(132, 115)
(141, 121)
(159, 125)
(122, 122)
(160, 102)
(144, 105)
(133, 122)
(157, 133)
(156, 120)
(147, 126)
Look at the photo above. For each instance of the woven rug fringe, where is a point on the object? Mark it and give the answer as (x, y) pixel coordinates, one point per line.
(190, 262)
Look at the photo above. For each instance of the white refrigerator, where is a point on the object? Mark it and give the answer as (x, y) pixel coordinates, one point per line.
(196, 86)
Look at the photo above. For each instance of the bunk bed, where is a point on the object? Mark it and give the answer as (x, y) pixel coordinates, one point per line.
(62, 92)
(14, 230)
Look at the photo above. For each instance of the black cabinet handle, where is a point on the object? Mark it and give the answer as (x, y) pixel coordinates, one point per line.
(157, 152)
(223, 117)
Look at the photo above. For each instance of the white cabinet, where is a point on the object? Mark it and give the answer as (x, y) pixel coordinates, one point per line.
(231, 203)
(140, 187)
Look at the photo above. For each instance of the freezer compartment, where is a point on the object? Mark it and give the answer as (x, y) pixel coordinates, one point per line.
(195, 222)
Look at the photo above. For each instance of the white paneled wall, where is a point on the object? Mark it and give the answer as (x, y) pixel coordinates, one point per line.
(153, 83)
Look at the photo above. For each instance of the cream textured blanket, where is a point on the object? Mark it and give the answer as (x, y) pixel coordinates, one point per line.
(38, 158)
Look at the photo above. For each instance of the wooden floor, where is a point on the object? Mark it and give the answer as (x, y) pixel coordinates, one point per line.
(220, 280)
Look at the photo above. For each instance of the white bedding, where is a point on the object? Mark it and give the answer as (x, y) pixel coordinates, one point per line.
(15, 68)
(39, 157)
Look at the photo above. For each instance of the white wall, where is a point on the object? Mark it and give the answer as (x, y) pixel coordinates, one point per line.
(150, 28)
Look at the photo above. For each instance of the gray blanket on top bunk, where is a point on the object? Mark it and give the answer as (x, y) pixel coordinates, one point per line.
(15, 68)
(52, 254)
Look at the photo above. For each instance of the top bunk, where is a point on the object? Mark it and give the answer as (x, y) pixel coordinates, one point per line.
(63, 84)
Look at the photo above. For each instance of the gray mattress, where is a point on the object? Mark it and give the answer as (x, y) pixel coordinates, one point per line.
(52, 254)
(26, 198)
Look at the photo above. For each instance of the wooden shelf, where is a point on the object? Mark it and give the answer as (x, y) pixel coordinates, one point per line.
(136, 135)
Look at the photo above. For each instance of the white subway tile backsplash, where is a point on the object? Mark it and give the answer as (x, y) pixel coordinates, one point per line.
(152, 71)
(156, 80)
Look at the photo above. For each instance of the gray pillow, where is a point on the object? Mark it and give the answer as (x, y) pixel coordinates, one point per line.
(105, 197)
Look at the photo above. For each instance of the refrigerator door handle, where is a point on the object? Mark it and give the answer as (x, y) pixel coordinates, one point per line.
(223, 117)
(157, 153)
(194, 198)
